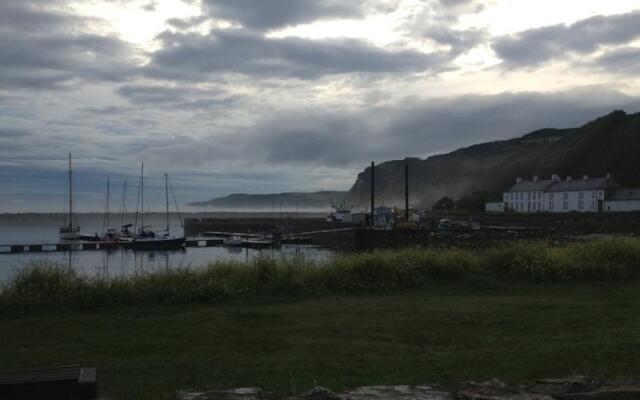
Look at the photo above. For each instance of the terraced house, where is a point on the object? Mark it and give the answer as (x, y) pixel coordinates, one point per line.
(586, 194)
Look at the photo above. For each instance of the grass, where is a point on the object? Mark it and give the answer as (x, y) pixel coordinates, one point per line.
(52, 287)
(517, 312)
(448, 333)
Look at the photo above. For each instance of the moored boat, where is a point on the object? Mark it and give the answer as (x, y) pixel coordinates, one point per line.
(70, 229)
(145, 238)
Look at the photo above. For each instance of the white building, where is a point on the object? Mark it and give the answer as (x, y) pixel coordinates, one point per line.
(526, 196)
(620, 200)
(494, 206)
(570, 195)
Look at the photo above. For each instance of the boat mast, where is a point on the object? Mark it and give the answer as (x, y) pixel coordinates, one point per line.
(70, 194)
(166, 194)
(108, 197)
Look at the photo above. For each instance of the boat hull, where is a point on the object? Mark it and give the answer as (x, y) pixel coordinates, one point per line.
(70, 236)
(154, 244)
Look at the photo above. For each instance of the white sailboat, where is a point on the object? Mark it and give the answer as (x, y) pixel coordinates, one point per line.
(70, 229)
(147, 239)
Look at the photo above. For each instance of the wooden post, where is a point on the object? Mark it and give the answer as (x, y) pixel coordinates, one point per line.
(406, 189)
(373, 192)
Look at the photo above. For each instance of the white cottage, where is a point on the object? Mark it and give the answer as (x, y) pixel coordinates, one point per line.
(570, 195)
(623, 199)
(526, 196)
(581, 195)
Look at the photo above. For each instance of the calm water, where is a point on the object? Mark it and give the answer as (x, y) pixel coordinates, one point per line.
(43, 229)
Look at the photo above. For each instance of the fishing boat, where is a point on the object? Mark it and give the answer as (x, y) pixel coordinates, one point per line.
(145, 238)
(233, 241)
(70, 230)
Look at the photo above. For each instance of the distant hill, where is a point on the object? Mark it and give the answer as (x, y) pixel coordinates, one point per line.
(610, 144)
(286, 201)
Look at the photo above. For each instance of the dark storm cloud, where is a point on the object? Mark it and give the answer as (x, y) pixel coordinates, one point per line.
(13, 133)
(536, 46)
(182, 98)
(155, 94)
(412, 127)
(624, 61)
(436, 22)
(194, 57)
(268, 14)
(44, 47)
(458, 40)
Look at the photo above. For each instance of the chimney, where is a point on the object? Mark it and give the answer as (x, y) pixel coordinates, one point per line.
(555, 177)
(518, 180)
(585, 178)
(569, 178)
(535, 178)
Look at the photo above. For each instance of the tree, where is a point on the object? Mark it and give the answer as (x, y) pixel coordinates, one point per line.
(444, 204)
(473, 202)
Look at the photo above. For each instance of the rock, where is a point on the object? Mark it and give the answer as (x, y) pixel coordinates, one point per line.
(555, 387)
(233, 394)
(399, 392)
(492, 383)
(319, 393)
(615, 393)
(494, 395)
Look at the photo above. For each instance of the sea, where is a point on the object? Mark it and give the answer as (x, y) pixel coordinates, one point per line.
(36, 228)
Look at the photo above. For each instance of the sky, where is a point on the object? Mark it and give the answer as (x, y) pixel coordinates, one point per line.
(269, 96)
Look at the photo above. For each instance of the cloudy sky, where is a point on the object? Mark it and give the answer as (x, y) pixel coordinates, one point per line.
(261, 96)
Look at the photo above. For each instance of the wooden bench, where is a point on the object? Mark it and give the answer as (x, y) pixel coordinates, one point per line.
(70, 382)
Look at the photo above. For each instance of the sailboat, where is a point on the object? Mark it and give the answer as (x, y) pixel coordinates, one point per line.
(147, 239)
(70, 231)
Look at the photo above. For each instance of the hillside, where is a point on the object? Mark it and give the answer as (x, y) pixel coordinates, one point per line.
(610, 144)
(286, 201)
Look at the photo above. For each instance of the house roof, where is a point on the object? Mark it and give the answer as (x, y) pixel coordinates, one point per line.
(531, 186)
(624, 194)
(575, 185)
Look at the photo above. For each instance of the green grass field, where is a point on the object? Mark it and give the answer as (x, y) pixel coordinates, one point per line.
(443, 332)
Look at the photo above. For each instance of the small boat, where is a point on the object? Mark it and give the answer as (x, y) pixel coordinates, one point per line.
(162, 242)
(233, 241)
(70, 230)
(146, 239)
(445, 225)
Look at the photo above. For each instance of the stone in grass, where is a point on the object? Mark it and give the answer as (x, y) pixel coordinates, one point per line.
(612, 393)
(319, 393)
(233, 394)
(399, 392)
(483, 395)
(572, 384)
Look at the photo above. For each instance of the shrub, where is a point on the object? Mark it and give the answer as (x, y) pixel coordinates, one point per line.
(46, 285)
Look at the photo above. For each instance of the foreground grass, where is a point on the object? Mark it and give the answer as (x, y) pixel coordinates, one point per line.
(447, 332)
(52, 287)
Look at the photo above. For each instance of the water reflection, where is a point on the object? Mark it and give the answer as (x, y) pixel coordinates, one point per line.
(115, 263)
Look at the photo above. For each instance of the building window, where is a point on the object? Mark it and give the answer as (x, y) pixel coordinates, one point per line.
(565, 205)
(593, 195)
(580, 204)
(581, 195)
(565, 196)
(550, 196)
(551, 205)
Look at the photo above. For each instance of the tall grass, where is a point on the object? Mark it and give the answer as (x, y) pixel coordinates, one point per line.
(44, 286)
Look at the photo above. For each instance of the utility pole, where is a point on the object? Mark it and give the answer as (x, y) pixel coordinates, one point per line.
(373, 192)
(406, 189)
